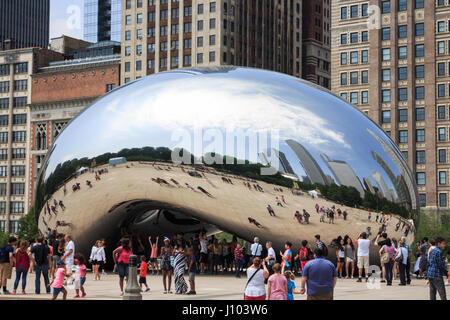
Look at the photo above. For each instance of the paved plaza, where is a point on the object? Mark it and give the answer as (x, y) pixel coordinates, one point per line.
(227, 287)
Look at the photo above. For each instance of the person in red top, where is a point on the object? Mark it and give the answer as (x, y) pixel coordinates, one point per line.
(143, 274)
(22, 265)
(121, 257)
(238, 258)
(304, 254)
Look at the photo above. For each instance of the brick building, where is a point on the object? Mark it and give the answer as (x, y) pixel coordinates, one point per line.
(60, 92)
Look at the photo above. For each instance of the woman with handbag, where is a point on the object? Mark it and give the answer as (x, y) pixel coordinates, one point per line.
(387, 254)
(255, 288)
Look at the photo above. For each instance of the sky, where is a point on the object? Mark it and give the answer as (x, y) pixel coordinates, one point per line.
(66, 17)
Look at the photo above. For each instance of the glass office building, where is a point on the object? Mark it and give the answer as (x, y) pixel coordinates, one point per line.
(24, 23)
(102, 20)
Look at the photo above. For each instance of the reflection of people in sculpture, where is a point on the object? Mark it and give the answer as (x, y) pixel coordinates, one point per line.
(62, 223)
(306, 215)
(189, 186)
(256, 223)
(279, 202)
(270, 209)
(61, 204)
(88, 183)
(298, 216)
(282, 199)
(205, 192)
(175, 182)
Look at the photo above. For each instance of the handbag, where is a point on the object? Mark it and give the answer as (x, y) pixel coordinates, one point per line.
(399, 259)
(385, 257)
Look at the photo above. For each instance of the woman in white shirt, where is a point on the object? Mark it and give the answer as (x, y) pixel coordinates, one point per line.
(97, 258)
(255, 288)
(340, 255)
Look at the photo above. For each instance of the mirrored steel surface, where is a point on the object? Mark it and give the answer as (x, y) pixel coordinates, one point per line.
(173, 128)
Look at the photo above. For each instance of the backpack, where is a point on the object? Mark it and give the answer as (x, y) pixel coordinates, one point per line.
(4, 256)
(325, 249)
(304, 254)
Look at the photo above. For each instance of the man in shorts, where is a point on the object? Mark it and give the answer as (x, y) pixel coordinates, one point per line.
(7, 262)
(363, 255)
(192, 270)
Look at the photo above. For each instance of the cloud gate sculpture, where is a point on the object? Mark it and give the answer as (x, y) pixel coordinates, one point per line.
(210, 149)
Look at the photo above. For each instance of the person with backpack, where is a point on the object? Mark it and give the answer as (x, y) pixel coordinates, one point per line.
(255, 288)
(402, 259)
(7, 261)
(322, 246)
(304, 254)
(42, 261)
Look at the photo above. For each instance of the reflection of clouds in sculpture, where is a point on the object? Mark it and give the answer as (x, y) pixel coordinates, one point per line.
(187, 104)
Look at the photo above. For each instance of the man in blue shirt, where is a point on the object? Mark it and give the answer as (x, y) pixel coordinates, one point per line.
(320, 276)
(437, 269)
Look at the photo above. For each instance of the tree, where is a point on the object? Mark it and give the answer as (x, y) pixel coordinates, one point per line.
(28, 228)
(3, 238)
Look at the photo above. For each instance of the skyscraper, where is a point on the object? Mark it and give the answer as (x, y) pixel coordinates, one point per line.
(24, 23)
(102, 20)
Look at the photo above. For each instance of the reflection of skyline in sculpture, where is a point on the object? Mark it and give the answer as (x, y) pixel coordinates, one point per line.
(405, 181)
(369, 185)
(312, 168)
(343, 173)
(382, 185)
(283, 164)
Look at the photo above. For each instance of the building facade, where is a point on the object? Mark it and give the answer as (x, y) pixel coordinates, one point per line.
(60, 92)
(24, 23)
(316, 42)
(16, 66)
(102, 20)
(160, 35)
(391, 60)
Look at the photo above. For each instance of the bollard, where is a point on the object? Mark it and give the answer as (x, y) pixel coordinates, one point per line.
(132, 290)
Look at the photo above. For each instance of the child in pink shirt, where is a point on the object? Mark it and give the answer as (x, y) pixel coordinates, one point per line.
(80, 275)
(58, 280)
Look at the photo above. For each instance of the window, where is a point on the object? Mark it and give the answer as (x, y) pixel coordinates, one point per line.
(3, 154)
(386, 116)
(442, 180)
(212, 23)
(402, 5)
(354, 12)
(17, 171)
(441, 112)
(364, 56)
(3, 137)
(441, 90)
(420, 157)
(19, 118)
(200, 9)
(4, 120)
(386, 34)
(212, 7)
(403, 115)
(128, 35)
(212, 56)
(20, 85)
(21, 67)
(343, 61)
(139, 3)
(19, 136)
(403, 136)
(139, 49)
(151, 16)
(422, 199)
(386, 54)
(402, 32)
(405, 155)
(420, 72)
(13, 227)
(442, 196)
(420, 29)
(200, 25)
(419, 4)
(343, 78)
(354, 99)
(4, 69)
(385, 6)
(127, 50)
(151, 64)
(420, 135)
(364, 76)
(162, 63)
(127, 67)
(16, 207)
(128, 20)
(420, 93)
(402, 73)
(441, 134)
(402, 94)
(163, 30)
(442, 156)
(187, 27)
(441, 26)
(187, 60)
(187, 43)
(174, 62)
(344, 95)
(212, 40)
(364, 36)
(174, 29)
(139, 18)
(354, 37)
(151, 47)
(420, 178)
(139, 34)
(353, 77)
(4, 86)
(441, 47)
(402, 52)
(354, 57)
(420, 114)
(4, 103)
(364, 9)
(175, 13)
(138, 65)
(344, 38)
(386, 95)
(386, 75)
(199, 41)
(151, 32)
(174, 45)
(364, 97)
(2, 189)
(344, 13)
(199, 57)
(17, 188)
(188, 11)
(420, 50)
(441, 69)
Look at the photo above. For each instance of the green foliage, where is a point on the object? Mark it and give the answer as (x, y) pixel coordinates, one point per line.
(431, 225)
(28, 228)
(3, 238)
